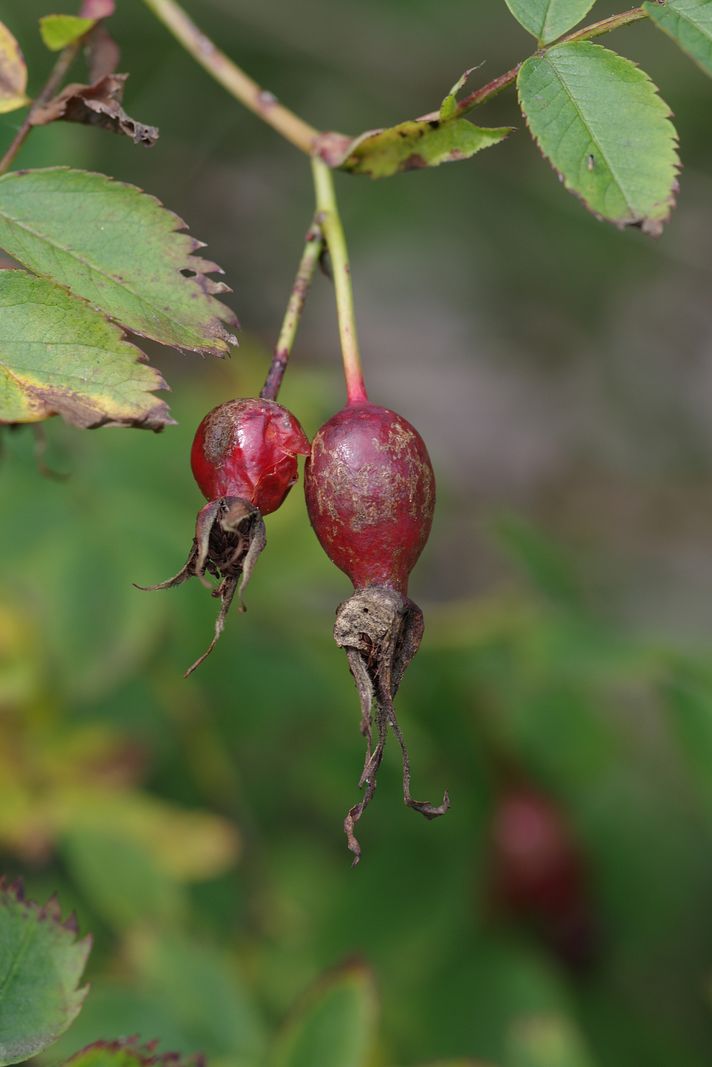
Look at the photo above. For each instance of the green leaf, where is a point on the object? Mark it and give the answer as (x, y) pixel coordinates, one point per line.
(60, 30)
(60, 356)
(689, 23)
(448, 108)
(127, 1052)
(415, 144)
(548, 19)
(13, 73)
(118, 248)
(335, 1024)
(547, 1041)
(600, 122)
(41, 963)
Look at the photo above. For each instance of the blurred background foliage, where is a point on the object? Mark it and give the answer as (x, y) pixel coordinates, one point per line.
(560, 372)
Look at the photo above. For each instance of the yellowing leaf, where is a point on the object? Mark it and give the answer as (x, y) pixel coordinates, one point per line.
(410, 145)
(58, 356)
(13, 73)
(118, 248)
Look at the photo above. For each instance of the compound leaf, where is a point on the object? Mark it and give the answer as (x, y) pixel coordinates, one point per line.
(118, 248)
(58, 356)
(689, 23)
(41, 963)
(601, 123)
(548, 19)
(13, 73)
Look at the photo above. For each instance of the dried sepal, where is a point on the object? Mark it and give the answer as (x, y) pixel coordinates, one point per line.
(381, 632)
(229, 537)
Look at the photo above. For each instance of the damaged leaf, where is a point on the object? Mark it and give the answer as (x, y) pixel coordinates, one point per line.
(689, 23)
(600, 122)
(41, 964)
(13, 73)
(59, 356)
(129, 1052)
(410, 145)
(98, 104)
(58, 31)
(335, 1023)
(121, 250)
(548, 19)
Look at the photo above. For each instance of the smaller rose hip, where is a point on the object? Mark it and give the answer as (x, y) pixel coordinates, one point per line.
(244, 459)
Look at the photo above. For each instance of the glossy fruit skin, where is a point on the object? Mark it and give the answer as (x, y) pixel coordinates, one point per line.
(248, 448)
(370, 492)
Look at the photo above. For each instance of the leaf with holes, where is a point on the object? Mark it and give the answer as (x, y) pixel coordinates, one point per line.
(58, 356)
(13, 73)
(118, 248)
(689, 23)
(335, 1024)
(548, 19)
(58, 31)
(41, 964)
(410, 145)
(601, 123)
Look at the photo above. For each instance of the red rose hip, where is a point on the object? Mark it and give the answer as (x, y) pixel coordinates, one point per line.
(248, 448)
(244, 459)
(370, 493)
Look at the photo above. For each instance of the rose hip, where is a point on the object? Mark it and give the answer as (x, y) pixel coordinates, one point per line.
(370, 492)
(244, 459)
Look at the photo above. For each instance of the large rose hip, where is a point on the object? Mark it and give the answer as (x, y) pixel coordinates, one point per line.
(370, 492)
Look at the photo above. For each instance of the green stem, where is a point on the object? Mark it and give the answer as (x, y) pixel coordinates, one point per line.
(305, 273)
(260, 101)
(59, 71)
(330, 222)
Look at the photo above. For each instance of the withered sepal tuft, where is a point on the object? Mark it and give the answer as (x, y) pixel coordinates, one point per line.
(229, 536)
(381, 631)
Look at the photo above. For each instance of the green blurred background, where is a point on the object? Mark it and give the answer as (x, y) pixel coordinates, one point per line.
(560, 372)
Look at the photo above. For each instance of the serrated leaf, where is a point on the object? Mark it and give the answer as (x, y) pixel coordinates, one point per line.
(58, 356)
(13, 73)
(412, 145)
(120, 249)
(41, 964)
(548, 19)
(689, 23)
(335, 1024)
(601, 123)
(129, 1052)
(58, 31)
